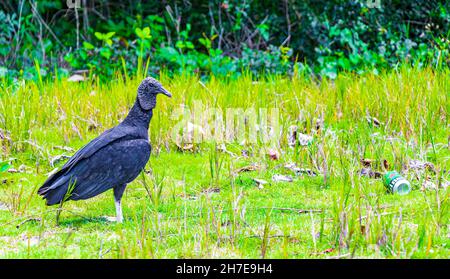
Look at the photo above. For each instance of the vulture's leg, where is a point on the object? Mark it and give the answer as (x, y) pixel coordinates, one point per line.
(118, 192)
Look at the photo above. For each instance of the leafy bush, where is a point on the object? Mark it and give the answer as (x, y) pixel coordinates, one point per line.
(222, 37)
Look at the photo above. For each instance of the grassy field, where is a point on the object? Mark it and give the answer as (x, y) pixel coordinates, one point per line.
(200, 200)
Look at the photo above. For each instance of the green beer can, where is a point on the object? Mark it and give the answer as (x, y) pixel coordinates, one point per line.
(396, 183)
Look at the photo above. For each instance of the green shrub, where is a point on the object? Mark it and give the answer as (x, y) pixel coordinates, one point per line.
(222, 37)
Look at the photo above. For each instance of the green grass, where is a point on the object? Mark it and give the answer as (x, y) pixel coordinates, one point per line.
(193, 205)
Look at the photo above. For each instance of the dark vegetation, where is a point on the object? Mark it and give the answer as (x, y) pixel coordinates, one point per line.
(223, 38)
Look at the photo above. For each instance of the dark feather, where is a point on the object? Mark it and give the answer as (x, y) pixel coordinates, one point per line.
(111, 160)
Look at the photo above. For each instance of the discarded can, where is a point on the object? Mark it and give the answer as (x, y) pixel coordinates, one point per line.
(396, 183)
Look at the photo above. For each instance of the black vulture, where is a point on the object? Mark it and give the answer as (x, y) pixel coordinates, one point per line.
(112, 160)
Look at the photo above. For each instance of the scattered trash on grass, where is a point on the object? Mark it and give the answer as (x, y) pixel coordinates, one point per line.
(211, 190)
(282, 178)
(366, 162)
(370, 173)
(260, 182)
(76, 78)
(329, 250)
(370, 164)
(304, 140)
(299, 171)
(396, 183)
(294, 136)
(21, 169)
(420, 165)
(185, 147)
(248, 168)
(373, 121)
(273, 154)
(428, 185)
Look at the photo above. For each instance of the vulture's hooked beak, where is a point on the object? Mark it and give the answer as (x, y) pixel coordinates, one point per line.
(165, 92)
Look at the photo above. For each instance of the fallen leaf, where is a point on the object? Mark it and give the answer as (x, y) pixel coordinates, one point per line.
(329, 250)
(370, 173)
(282, 178)
(76, 78)
(304, 139)
(211, 190)
(385, 164)
(373, 121)
(319, 123)
(226, 223)
(365, 172)
(428, 185)
(186, 147)
(248, 168)
(260, 182)
(300, 171)
(366, 162)
(26, 169)
(363, 229)
(93, 126)
(12, 170)
(420, 165)
(273, 154)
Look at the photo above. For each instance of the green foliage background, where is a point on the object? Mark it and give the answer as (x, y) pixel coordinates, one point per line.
(221, 37)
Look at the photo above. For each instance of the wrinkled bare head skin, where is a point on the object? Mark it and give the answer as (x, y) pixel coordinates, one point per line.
(147, 91)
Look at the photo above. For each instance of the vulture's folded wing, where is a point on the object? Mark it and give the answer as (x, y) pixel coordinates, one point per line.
(108, 137)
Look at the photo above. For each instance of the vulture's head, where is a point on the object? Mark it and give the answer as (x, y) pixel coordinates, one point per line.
(147, 91)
